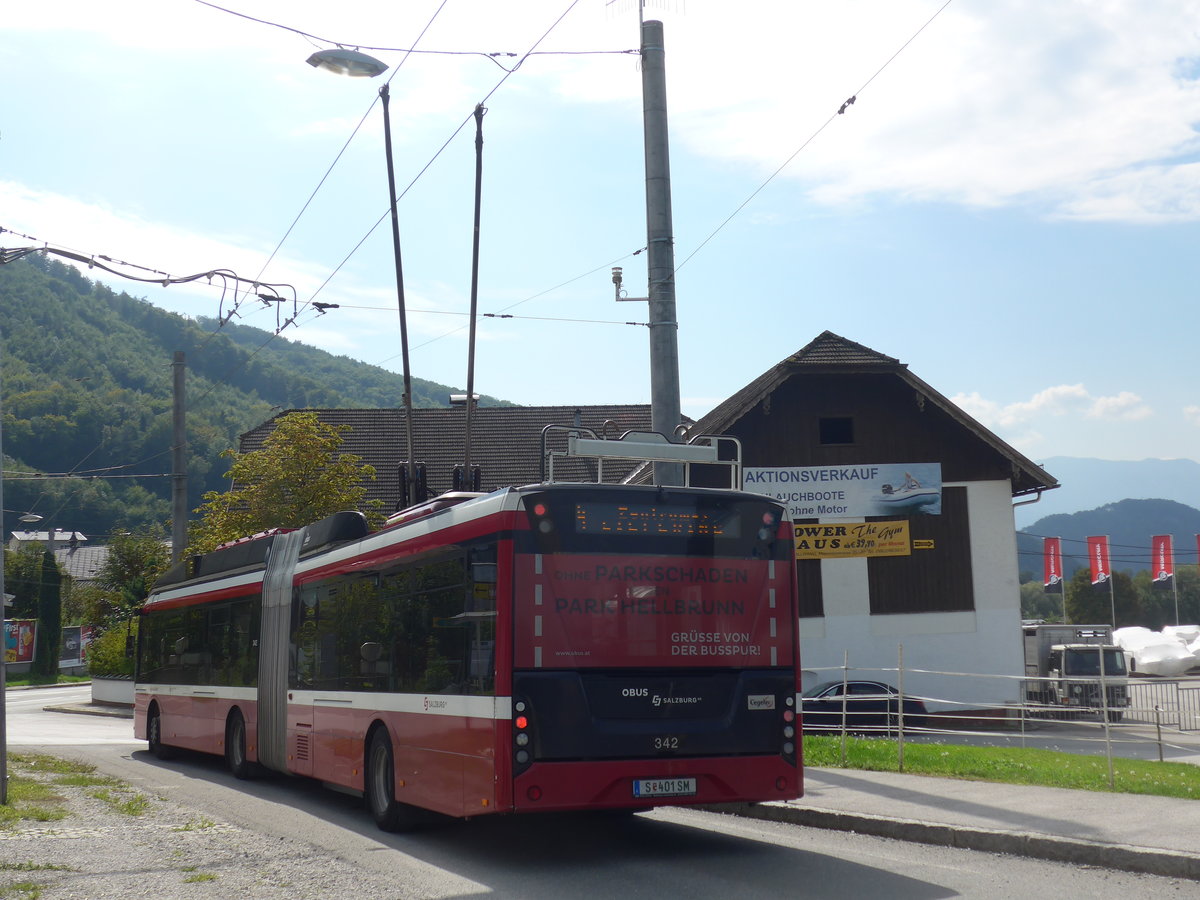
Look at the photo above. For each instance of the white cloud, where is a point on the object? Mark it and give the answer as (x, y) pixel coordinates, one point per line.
(1057, 401)
(1126, 406)
(1192, 414)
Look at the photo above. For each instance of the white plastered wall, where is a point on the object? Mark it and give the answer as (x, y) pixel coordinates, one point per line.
(984, 642)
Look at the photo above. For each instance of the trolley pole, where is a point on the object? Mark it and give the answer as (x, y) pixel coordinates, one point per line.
(660, 253)
(179, 478)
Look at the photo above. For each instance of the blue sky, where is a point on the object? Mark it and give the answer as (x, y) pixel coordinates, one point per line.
(1010, 206)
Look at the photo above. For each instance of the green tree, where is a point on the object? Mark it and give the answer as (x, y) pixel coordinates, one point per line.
(1089, 604)
(1158, 604)
(23, 579)
(134, 562)
(296, 478)
(49, 633)
(1037, 604)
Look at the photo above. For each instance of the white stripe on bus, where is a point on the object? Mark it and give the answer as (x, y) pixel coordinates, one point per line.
(426, 704)
(200, 691)
(431, 704)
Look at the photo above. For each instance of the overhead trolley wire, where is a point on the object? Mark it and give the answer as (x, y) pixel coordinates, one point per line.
(812, 137)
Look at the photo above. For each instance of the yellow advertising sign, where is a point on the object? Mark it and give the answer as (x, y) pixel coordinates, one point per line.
(852, 539)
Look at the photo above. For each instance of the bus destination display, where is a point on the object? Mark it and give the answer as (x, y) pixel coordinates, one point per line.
(594, 517)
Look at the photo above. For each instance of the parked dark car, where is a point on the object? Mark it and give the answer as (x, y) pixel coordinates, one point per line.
(868, 706)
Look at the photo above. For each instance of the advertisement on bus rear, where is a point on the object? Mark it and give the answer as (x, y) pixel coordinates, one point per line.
(578, 611)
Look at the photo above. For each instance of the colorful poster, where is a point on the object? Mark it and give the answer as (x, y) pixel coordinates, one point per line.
(20, 639)
(1052, 568)
(853, 539)
(1162, 562)
(813, 492)
(1098, 559)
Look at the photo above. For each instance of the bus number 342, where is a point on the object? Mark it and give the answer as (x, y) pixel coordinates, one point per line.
(666, 742)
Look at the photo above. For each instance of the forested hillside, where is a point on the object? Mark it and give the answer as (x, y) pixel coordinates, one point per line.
(1129, 526)
(86, 391)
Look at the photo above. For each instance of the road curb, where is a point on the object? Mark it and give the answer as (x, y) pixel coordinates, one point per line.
(1124, 857)
(86, 709)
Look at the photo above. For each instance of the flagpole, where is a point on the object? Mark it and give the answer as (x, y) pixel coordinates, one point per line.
(1175, 591)
(1112, 591)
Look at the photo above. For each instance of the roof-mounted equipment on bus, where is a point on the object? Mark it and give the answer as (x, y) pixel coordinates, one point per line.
(642, 447)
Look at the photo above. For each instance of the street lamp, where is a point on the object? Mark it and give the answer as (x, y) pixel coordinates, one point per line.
(360, 65)
(347, 62)
(32, 518)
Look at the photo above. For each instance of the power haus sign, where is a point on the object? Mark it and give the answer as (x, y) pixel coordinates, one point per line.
(853, 539)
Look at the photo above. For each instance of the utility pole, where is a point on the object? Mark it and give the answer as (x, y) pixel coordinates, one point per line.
(179, 504)
(660, 254)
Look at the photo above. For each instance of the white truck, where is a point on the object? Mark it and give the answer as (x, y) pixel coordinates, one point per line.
(1068, 664)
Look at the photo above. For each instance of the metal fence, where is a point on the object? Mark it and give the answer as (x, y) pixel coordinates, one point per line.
(1139, 717)
(1173, 703)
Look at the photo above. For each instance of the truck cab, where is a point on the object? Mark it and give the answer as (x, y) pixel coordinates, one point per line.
(1079, 670)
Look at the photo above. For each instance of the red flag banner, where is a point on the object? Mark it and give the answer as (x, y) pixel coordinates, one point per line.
(1162, 561)
(1098, 559)
(1052, 565)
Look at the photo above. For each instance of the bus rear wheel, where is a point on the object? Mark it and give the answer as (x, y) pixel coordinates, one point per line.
(389, 813)
(154, 737)
(235, 746)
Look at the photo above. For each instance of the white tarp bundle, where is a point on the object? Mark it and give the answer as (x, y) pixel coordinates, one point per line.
(1171, 651)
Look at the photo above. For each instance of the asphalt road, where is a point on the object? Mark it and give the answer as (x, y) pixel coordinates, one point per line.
(667, 853)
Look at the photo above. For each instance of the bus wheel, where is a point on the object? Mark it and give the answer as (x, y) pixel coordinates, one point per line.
(154, 737)
(389, 814)
(235, 746)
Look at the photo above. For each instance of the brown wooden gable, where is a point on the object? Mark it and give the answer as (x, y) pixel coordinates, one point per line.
(896, 418)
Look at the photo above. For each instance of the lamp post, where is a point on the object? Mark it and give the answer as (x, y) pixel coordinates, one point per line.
(360, 65)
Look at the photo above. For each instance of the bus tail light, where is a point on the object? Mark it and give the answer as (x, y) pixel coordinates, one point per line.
(788, 748)
(522, 739)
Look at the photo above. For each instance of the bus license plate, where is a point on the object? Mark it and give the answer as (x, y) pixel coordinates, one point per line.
(664, 787)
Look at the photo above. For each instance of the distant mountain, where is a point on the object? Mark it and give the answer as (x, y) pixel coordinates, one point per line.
(1091, 483)
(87, 389)
(1129, 525)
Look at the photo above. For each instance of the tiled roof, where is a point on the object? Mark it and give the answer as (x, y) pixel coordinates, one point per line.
(829, 349)
(81, 563)
(505, 440)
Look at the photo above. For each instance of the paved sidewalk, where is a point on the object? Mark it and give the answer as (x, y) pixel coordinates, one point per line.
(1135, 833)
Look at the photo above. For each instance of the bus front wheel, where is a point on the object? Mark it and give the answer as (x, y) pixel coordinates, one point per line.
(389, 813)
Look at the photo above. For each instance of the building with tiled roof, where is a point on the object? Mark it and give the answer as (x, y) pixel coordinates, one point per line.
(506, 441)
(835, 409)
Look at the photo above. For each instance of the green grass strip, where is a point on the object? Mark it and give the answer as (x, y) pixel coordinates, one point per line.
(1009, 765)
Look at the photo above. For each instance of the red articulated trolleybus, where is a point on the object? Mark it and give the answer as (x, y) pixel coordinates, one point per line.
(558, 646)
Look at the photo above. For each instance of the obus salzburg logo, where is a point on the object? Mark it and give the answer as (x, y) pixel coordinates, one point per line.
(674, 701)
(434, 704)
(635, 692)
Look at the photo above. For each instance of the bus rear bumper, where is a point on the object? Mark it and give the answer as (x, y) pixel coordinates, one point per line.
(641, 784)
